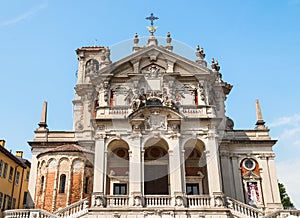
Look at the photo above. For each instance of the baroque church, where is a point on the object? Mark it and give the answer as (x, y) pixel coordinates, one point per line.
(151, 138)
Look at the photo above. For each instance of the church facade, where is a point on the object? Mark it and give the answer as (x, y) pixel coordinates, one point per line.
(151, 139)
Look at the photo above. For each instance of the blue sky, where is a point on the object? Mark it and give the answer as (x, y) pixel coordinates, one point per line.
(257, 44)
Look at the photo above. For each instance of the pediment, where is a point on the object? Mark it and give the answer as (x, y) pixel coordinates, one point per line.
(160, 118)
(251, 176)
(136, 62)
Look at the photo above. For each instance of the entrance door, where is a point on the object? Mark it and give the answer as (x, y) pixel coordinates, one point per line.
(156, 180)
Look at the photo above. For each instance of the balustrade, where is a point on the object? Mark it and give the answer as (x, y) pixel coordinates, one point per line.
(198, 201)
(115, 201)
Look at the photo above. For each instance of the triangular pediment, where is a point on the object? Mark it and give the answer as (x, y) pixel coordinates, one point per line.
(135, 63)
(251, 176)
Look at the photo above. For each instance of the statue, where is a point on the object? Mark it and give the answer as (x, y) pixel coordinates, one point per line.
(135, 103)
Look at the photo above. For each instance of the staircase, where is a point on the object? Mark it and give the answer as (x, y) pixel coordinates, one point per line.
(75, 210)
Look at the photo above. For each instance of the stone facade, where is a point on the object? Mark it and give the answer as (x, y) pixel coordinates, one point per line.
(151, 139)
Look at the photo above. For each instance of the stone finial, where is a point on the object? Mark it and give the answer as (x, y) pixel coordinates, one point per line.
(43, 121)
(200, 56)
(260, 123)
(136, 39)
(215, 65)
(136, 43)
(169, 40)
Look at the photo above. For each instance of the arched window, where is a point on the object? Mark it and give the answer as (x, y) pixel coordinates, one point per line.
(42, 183)
(62, 183)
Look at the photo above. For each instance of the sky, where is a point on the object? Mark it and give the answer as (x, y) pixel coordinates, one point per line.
(256, 42)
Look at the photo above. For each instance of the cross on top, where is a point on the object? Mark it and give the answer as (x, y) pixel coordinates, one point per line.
(152, 18)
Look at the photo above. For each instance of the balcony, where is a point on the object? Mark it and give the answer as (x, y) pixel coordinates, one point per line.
(190, 201)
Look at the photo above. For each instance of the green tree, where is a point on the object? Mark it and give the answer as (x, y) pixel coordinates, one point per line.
(285, 199)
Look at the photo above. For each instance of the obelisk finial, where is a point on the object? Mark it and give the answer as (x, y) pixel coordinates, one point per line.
(260, 123)
(43, 121)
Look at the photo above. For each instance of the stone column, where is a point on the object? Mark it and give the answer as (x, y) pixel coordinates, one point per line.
(82, 180)
(237, 178)
(175, 173)
(32, 181)
(266, 185)
(135, 170)
(44, 188)
(69, 188)
(273, 182)
(213, 163)
(227, 175)
(99, 173)
(99, 165)
(56, 178)
(80, 71)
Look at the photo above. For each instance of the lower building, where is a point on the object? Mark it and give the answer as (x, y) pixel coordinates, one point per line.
(14, 178)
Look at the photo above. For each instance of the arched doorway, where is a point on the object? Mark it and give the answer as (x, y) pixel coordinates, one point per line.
(195, 168)
(156, 167)
(117, 168)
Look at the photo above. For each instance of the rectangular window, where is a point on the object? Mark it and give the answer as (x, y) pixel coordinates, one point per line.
(4, 202)
(1, 168)
(86, 187)
(8, 202)
(17, 177)
(11, 172)
(192, 188)
(27, 176)
(5, 170)
(25, 198)
(1, 200)
(120, 189)
(13, 206)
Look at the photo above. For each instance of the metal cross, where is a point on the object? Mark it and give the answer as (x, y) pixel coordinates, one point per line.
(152, 18)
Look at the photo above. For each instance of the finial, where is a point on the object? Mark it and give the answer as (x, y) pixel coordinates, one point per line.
(43, 121)
(95, 42)
(136, 39)
(215, 65)
(200, 56)
(169, 40)
(136, 42)
(260, 123)
(152, 29)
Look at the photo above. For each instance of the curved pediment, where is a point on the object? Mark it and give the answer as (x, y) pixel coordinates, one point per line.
(155, 118)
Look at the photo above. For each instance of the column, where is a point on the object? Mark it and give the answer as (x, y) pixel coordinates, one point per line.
(55, 187)
(69, 188)
(273, 181)
(266, 185)
(135, 171)
(99, 165)
(237, 177)
(228, 183)
(32, 181)
(175, 174)
(213, 163)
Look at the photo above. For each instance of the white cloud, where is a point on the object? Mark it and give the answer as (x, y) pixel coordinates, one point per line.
(287, 173)
(291, 120)
(290, 133)
(23, 16)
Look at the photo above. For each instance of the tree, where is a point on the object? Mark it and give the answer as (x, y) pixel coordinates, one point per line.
(285, 199)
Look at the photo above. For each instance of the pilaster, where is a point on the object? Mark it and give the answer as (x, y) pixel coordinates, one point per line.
(213, 163)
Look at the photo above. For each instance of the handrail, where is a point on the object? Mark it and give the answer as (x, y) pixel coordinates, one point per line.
(243, 209)
(27, 213)
(78, 208)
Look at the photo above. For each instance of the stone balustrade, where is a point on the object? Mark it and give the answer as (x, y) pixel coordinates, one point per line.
(117, 201)
(157, 200)
(284, 213)
(198, 201)
(74, 210)
(28, 213)
(243, 210)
